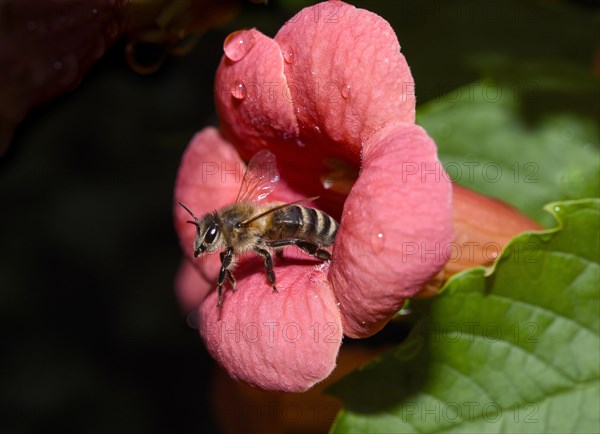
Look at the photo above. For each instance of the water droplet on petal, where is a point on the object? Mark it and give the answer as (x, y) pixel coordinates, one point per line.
(346, 91)
(317, 129)
(238, 44)
(288, 55)
(377, 242)
(238, 91)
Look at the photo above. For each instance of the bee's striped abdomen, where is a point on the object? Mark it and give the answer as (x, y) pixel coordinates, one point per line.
(303, 223)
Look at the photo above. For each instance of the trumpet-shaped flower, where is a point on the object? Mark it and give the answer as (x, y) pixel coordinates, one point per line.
(330, 95)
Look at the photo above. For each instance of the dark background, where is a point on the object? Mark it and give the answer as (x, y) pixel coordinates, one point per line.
(93, 339)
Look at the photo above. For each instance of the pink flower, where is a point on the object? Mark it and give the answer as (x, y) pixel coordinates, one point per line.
(330, 90)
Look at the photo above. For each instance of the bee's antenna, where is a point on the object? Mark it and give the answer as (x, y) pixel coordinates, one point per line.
(195, 221)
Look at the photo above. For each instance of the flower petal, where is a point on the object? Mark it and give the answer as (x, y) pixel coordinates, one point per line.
(331, 48)
(304, 95)
(394, 231)
(251, 97)
(284, 341)
(303, 316)
(208, 178)
(190, 286)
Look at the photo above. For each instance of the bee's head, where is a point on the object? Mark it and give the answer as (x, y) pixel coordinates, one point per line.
(208, 233)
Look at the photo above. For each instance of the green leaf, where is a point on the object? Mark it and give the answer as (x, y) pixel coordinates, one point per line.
(528, 136)
(508, 350)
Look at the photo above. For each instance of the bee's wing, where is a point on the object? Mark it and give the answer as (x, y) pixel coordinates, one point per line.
(260, 178)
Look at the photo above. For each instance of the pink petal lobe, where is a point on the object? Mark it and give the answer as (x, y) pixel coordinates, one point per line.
(284, 341)
(209, 177)
(346, 75)
(190, 286)
(395, 229)
(252, 97)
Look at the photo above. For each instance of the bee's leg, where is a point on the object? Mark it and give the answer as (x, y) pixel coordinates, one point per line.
(226, 257)
(268, 266)
(314, 250)
(231, 280)
(310, 248)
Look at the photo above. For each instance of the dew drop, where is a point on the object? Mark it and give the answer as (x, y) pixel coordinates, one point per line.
(557, 208)
(317, 129)
(94, 12)
(346, 91)
(238, 91)
(238, 44)
(377, 242)
(289, 56)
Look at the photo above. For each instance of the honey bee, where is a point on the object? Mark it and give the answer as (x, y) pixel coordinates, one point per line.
(249, 225)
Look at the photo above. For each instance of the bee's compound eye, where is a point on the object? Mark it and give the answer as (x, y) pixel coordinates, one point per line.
(211, 234)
